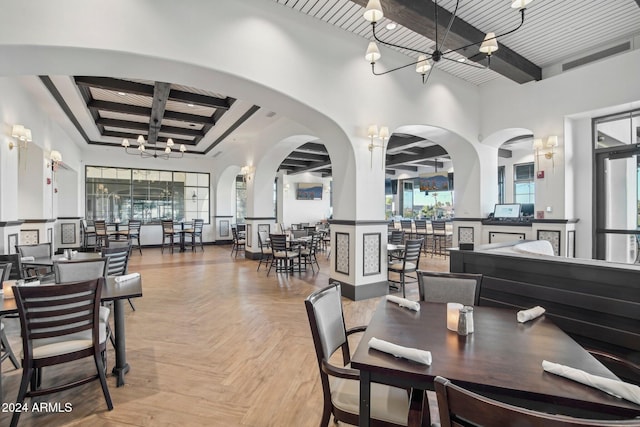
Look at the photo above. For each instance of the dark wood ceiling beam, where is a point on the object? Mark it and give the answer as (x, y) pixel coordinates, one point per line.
(425, 153)
(419, 16)
(390, 172)
(117, 85)
(198, 99)
(396, 142)
(160, 98)
(404, 168)
(311, 168)
(313, 147)
(295, 163)
(432, 163)
(298, 155)
(504, 153)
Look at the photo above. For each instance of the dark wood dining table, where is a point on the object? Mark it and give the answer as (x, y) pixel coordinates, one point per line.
(111, 291)
(501, 359)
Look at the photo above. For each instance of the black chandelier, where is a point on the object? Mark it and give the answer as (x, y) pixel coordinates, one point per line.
(166, 153)
(373, 13)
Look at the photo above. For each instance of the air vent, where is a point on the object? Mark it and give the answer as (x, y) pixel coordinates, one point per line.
(597, 56)
(217, 154)
(270, 114)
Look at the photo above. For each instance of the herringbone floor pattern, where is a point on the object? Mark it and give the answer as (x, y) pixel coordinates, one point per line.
(211, 343)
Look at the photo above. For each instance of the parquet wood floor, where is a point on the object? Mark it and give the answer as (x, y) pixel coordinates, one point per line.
(211, 343)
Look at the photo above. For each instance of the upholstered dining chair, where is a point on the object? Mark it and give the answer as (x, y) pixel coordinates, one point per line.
(47, 341)
(390, 406)
(196, 234)
(134, 233)
(39, 250)
(441, 237)
(461, 407)
(463, 288)
(169, 235)
(282, 256)
(238, 243)
(118, 263)
(17, 272)
(407, 264)
(88, 233)
(5, 349)
(265, 249)
(85, 269)
(102, 236)
(308, 254)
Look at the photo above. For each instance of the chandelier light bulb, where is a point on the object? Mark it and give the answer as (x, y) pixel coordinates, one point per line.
(373, 53)
(422, 66)
(125, 143)
(373, 11)
(490, 44)
(520, 4)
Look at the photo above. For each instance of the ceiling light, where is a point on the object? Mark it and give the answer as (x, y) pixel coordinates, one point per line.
(462, 59)
(374, 13)
(189, 105)
(166, 153)
(121, 93)
(391, 26)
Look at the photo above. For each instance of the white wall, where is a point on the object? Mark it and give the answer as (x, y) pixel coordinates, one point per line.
(309, 211)
(518, 156)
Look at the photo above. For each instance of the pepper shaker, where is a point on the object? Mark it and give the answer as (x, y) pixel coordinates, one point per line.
(462, 322)
(469, 318)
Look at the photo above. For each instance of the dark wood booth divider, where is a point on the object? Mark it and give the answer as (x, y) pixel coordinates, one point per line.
(596, 302)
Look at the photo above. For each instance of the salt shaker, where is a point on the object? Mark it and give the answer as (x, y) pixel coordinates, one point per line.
(469, 318)
(463, 328)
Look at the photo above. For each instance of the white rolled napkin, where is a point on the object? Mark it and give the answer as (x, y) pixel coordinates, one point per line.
(403, 302)
(62, 258)
(126, 277)
(530, 314)
(27, 258)
(616, 388)
(420, 356)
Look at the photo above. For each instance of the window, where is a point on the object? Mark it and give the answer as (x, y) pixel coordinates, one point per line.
(523, 183)
(241, 199)
(501, 188)
(117, 194)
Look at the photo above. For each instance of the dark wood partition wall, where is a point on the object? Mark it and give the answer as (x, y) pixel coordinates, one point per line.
(596, 302)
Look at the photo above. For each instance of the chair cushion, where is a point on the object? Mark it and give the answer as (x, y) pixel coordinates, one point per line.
(241, 241)
(48, 347)
(104, 314)
(287, 254)
(397, 266)
(388, 404)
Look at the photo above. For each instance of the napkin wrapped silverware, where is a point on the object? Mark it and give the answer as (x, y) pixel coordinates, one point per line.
(403, 302)
(616, 388)
(126, 277)
(530, 314)
(420, 356)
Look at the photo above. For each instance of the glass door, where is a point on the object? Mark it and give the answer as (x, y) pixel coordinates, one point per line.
(617, 228)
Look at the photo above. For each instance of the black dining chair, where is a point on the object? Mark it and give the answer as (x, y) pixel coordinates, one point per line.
(265, 249)
(390, 406)
(134, 233)
(282, 257)
(407, 264)
(238, 242)
(461, 407)
(48, 341)
(169, 235)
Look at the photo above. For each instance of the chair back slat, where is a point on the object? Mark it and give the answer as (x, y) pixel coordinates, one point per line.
(100, 226)
(412, 250)
(439, 227)
(134, 226)
(397, 237)
(278, 242)
(117, 260)
(406, 225)
(421, 226)
(198, 224)
(53, 311)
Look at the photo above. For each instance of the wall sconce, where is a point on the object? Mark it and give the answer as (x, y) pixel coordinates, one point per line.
(539, 144)
(22, 135)
(286, 188)
(247, 172)
(56, 159)
(383, 134)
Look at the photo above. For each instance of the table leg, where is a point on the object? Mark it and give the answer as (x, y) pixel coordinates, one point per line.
(365, 398)
(122, 367)
(182, 247)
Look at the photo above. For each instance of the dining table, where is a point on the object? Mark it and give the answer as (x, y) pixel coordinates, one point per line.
(48, 261)
(501, 359)
(114, 290)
